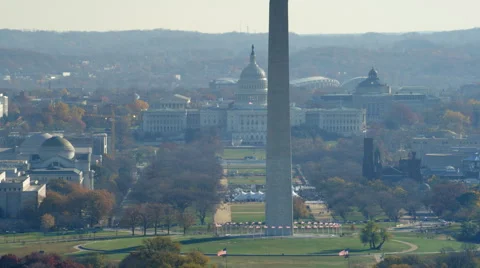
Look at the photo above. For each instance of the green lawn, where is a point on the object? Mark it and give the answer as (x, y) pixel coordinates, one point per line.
(289, 246)
(242, 212)
(238, 180)
(25, 249)
(119, 248)
(241, 153)
(301, 246)
(117, 243)
(426, 244)
(55, 236)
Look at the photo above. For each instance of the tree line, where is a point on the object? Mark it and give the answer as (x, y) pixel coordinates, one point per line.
(179, 185)
(69, 205)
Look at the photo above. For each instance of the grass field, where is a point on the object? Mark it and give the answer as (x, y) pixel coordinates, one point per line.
(242, 212)
(119, 248)
(426, 244)
(239, 180)
(21, 250)
(39, 236)
(290, 246)
(286, 245)
(253, 170)
(241, 153)
(320, 212)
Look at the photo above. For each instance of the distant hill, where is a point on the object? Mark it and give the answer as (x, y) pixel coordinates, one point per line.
(149, 58)
(137, 42)
(31, 62)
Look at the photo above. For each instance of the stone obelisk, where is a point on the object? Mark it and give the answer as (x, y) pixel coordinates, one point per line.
(279, 205)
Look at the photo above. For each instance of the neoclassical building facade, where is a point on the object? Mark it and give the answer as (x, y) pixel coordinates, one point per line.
(244, 120)
(377, 98)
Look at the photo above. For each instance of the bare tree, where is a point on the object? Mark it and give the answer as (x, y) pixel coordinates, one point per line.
(170, 215)
(155, 214)
(185, 220)
(131, 218)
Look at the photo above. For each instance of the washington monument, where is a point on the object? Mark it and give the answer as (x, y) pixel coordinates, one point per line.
(279, 206)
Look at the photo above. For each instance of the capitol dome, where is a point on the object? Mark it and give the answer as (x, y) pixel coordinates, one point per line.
(56, 146)
(253, 77)
(252, 86)
(32, 144)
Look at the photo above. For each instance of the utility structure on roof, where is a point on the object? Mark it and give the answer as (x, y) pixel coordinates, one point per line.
(279, 201)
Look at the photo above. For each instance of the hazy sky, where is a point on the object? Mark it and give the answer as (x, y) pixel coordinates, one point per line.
(306, 16)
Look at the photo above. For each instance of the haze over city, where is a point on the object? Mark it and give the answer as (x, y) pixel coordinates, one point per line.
(202, 133)
(216, 16)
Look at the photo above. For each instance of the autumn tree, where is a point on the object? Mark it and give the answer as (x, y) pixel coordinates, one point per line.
(61, 111)
(38, 260)
(74, 206)
(47, 222)
(99, 205)
(455, 121)
(137, 106)
(300, 210)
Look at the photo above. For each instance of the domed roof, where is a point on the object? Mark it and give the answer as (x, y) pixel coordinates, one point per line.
(372, 85)
(373, 74)
(33, 143)
(253, 71)
(56, 146)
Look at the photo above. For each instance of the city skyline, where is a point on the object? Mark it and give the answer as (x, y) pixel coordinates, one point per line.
(215, 16)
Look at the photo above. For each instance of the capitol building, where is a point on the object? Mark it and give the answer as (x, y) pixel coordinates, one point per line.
(243, 121)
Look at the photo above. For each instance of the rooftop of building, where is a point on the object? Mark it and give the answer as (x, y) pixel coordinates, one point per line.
(164, 110)
(34, 187)
(225, 81)
(60, 171)
(311, 79)
(338, 109)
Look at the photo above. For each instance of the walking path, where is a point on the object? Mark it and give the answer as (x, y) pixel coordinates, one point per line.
(378, 257)
(413, 247)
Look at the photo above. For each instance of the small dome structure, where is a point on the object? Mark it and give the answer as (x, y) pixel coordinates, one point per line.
(372, 85)
(56, 146)
(32, 144)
